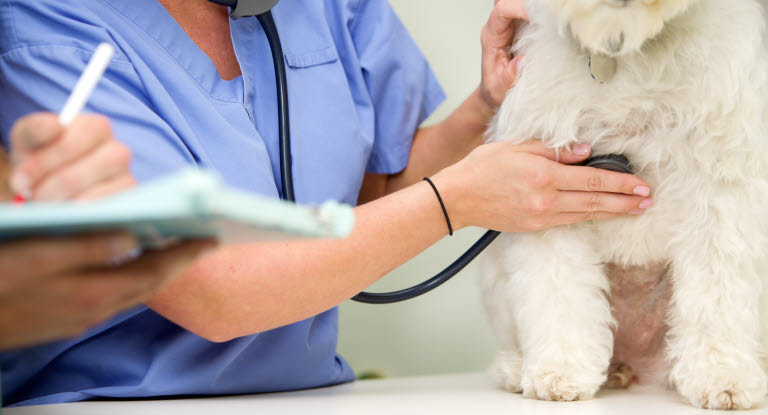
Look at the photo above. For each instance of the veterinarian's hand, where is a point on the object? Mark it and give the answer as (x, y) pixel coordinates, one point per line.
(518, 188)
(52, 288)
(82, 161)
(499, 68)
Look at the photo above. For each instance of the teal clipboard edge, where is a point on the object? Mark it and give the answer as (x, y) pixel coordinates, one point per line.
(185, 205)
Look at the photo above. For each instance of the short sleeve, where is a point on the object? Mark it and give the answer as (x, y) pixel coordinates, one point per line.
(402, 86)
(36, 76)
(39, 79)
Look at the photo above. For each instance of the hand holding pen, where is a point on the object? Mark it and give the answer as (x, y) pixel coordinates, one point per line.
(66, 156)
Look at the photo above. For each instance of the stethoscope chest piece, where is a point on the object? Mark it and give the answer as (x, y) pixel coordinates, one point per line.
(612, 162)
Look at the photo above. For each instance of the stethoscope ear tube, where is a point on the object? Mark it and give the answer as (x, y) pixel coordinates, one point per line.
(281, 80)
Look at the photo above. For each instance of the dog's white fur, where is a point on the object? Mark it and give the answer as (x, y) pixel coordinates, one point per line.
(687, 106)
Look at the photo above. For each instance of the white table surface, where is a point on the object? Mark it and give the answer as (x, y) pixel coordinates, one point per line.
(447, 394)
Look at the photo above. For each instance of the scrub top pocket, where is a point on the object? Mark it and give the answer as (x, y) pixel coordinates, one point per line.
(312, 58)
(328, 139)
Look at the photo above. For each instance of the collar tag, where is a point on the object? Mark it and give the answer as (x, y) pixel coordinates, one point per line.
(602, 68)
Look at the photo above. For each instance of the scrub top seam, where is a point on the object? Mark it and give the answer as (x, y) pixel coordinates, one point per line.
(16, 40)
(170, 55)
(53, 47)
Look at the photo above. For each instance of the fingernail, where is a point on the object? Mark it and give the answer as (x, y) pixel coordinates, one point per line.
(642, 191)
(647, 203)
(637, 212)
(124, 248)
(20, 184)
(129, 257)
(519, 65)
(582, 149)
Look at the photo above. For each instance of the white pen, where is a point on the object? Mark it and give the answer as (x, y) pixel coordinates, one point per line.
(87, 83)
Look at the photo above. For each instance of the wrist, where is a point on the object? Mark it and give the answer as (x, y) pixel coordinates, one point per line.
(485, 97)
(480, 110)
(487, 106)
(454, 194)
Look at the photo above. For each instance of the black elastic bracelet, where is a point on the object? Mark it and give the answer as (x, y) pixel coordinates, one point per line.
(442, 205)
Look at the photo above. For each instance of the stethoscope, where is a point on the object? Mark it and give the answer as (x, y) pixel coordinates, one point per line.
(262, 10)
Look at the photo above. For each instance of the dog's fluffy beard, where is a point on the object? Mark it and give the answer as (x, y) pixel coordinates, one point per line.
(616, 27)
(687, 106)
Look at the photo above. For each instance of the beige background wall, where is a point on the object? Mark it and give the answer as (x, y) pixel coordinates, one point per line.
(446, 330)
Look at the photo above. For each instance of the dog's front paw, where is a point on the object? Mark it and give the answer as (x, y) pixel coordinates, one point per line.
(505, 370)
(714, 385)
(563, 383)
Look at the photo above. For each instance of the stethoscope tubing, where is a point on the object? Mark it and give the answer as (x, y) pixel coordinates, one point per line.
(610, 162)
(281, 80)
(286, 178)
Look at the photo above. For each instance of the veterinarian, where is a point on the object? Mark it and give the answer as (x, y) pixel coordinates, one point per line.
(190, 86)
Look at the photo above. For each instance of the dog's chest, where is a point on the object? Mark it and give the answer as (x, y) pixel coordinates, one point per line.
(642, 240)
(646, 136)
(690, 125)
(641, 121)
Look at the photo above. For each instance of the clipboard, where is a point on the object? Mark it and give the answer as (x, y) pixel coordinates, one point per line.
(190, 204)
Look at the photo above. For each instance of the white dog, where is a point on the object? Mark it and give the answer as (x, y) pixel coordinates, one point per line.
(680, 87)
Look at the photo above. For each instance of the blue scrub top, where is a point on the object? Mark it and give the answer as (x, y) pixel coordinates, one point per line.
(359, 88)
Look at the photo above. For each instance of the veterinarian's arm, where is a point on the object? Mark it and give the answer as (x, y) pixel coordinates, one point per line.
(251, 288)
(443, 144)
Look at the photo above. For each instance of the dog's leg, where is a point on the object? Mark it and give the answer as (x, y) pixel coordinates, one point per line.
(505, 369)
(562, 315)
(715, 327)
(498, 298)
(764, 322)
